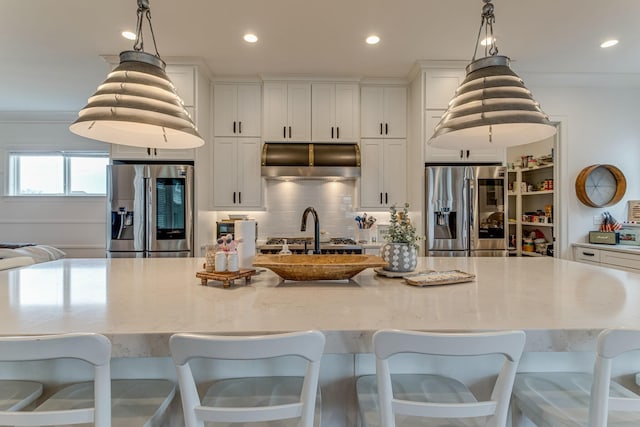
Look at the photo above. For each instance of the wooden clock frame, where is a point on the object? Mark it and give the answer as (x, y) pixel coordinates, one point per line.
(581, 190)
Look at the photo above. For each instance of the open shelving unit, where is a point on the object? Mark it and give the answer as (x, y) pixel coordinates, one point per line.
(530, 198)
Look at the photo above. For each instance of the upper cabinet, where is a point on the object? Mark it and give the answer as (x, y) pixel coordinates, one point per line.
(384, 112)
(286, 111)
(335, 109)
(236, 109)
(443, 155)
(383, 180)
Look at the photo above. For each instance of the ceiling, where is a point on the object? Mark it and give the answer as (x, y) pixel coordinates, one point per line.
(50, 50)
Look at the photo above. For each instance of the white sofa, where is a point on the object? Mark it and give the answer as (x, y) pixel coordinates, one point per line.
(27, 255)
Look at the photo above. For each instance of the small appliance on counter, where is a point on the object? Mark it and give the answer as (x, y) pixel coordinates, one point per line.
(604, 237)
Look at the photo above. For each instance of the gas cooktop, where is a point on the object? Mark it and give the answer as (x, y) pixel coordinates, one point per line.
(298, 245)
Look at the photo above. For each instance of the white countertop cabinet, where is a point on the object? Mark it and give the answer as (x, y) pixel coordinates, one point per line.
(236, 173)
(335, 109)
(620, 257)
(383, 112)
(286, 111)
(237, 109)
(383, 180)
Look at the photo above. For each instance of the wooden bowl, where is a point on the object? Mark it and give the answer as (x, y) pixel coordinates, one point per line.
(318, 267)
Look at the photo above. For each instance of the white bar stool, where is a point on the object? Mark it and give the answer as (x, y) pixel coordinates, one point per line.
(101, 402)
(292, 400)
(432, 399)
(579, 398)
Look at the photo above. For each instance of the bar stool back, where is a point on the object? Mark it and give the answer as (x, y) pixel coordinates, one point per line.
(92, 348)
(249, 399)
(579, 398)
(388, 399)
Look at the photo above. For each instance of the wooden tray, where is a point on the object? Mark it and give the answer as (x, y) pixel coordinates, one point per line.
(226, 277)
(433, 278)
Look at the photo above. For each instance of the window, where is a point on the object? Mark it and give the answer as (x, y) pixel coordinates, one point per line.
(57, 174)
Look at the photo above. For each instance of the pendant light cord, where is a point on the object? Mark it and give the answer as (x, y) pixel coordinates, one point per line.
(486, 22)
(144, 12)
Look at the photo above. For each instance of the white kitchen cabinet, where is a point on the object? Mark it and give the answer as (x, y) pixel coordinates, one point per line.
(383, 180)
(615, 256)
(183, 78)
(335, 109)
(236, 173)
(286, 111)
(236, 109)
(442, 155)
(440, 86)
(384, 112)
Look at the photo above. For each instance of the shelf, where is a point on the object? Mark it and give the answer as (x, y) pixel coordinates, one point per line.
(533, 193)
(538, 224)
(548, 165)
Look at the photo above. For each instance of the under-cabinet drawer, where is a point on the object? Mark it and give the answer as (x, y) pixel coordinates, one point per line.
(586, 254)
(619, 259)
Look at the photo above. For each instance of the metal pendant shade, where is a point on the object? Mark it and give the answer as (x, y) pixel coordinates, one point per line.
(492, 107)
(137, 105)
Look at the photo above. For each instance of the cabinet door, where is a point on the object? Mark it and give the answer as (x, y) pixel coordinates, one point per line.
(126, 152)
(249, 110)
(371, 173)
(323, 112)
(225, 107)
(275, 111)
(248, 173)
(372, 105)
(395, 112)
(183, 79)
(299, 111)
(433, 154)
(395, 172)
(224, 172)
(347, 108)
(496, 155)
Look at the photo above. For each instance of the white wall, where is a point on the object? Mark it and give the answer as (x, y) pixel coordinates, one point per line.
(74, 224)
(601, 127)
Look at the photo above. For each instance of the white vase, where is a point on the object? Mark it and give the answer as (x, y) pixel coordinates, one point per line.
(402, 257)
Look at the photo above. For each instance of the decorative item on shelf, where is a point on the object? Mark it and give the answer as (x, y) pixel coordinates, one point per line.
(609, 223)
(137, 104)
(491, 107)
(401, 249)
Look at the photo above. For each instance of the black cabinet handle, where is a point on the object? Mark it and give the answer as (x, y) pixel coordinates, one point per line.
(380, 198)
(386, 198)
(468, 154)
(234, 127)
(239, 127)
(284, 131)
(234, 197)
(380, 128)
(240, 197)
(461, 154)
(588, 253)
(337, 133)
(148, 151)
(331, 132)
(386, 128)
(289, 131)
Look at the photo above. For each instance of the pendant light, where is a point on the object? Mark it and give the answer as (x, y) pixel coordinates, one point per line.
(492, 107)
(137, 104)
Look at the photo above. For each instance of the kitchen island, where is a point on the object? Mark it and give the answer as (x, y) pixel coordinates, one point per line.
(139, 303)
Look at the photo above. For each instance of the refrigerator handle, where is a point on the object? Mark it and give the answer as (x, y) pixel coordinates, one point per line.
(471, 183)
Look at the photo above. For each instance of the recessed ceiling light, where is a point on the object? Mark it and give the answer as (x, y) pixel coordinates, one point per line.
(128, 35)
(251, 38)
(609, 43)
(373, 40)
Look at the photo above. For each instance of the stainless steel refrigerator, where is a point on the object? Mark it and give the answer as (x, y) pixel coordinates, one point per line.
(465, 210)
(149, 210)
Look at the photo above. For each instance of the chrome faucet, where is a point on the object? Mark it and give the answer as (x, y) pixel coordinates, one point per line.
(316, 223)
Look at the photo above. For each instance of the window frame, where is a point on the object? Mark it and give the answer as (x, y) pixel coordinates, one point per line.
(13, 171)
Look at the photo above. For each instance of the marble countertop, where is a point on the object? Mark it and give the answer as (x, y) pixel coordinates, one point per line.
(139, 303)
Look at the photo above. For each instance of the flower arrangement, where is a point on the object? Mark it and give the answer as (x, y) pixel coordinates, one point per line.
(400, 228)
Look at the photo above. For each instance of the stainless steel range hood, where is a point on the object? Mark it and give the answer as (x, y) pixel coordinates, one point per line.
(310, 160)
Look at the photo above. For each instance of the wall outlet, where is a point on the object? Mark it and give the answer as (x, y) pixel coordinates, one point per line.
(597, 219)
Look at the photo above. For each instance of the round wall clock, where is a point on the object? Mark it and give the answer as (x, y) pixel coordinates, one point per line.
(600, 185)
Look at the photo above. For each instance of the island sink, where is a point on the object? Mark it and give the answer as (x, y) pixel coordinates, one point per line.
(318, 267)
